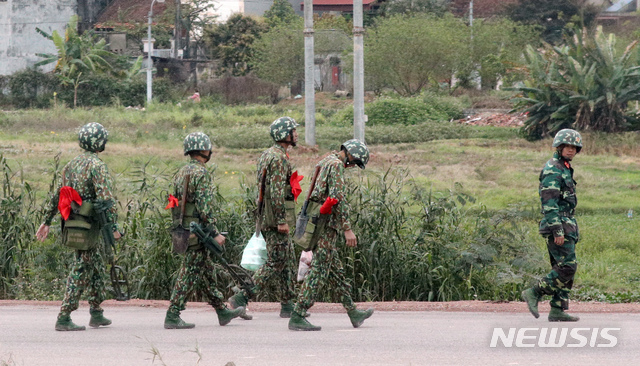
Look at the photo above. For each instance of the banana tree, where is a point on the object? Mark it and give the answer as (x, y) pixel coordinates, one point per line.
(78, 55)
(583, 84)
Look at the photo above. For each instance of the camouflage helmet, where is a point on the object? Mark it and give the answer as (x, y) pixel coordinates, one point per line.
(93, 137)
(282, 127)
(196, 141)
(568, 136)
(358, 150)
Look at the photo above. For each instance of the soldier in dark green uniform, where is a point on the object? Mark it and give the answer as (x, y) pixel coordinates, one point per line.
(89, 177)
(197, 264)
(278, 216)
(326, 268)
(558, 196)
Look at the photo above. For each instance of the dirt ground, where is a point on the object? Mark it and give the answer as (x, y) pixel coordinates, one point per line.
(451, 306)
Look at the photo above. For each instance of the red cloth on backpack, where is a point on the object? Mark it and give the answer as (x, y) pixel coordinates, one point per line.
(326, 207)
(295, 184)
(67, 195)
(173, 202)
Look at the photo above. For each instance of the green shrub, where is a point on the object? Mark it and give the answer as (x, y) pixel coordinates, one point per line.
(404, 111)
(32, 89)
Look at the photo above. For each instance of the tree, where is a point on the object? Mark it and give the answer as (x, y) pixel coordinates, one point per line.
(78, 55)
(279, 53)
(281, 12)
(232, 43)
(408, 53)
(552, 15)
(412, 7)
(197, 16)
(585, 84)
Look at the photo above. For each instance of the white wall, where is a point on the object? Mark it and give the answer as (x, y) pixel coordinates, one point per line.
(19, 41)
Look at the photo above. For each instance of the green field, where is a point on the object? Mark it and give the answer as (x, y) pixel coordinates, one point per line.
(492, 165)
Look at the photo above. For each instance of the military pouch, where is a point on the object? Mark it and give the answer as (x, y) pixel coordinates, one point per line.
(313, 229)
(290, 213)
(80, 231)
(270, 217)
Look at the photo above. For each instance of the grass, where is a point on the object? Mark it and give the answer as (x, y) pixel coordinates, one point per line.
(491, 164)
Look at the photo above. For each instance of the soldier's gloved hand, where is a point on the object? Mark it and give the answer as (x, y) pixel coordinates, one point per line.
(283, 228)
(559, 240)
(351, 239)
(43, 232)
(220, 239)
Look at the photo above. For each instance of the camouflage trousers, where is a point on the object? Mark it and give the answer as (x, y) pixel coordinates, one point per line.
(86, 273)
(326, 271)
(278, 272)
(559, 281)
(197, 270)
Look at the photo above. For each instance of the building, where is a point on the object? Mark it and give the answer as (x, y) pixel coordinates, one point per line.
(19, 39)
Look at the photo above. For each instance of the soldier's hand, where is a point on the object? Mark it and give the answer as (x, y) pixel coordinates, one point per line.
(283, 228)
(219, 239)
(43, 232)
(559, 240)
(117, 235)
(352, 241)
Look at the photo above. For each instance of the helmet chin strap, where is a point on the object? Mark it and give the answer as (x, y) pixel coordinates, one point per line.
(205, 157)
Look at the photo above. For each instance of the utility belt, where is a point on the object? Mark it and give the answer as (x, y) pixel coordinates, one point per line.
(270, 220)
(82, 230)
(567, 214)
(180, 233)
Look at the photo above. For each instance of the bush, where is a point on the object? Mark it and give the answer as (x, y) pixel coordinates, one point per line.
(102, 90)
(32, 89)
(404, 111)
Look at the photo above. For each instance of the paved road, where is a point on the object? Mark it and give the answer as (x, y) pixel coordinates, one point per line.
(27, 338)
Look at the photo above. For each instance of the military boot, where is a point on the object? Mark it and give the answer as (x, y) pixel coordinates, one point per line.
(225, 315)
(238, 300)
(297, 322)
(173, 321)
(64, 323)
(558, 315)
(531, 297)
(286, 310)
(97, 319)
(358, 316)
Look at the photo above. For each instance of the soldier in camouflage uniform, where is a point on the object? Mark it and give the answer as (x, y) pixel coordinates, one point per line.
(326, 268)
(197, 264)
(88, 175)
(277, 216)
(558, 196)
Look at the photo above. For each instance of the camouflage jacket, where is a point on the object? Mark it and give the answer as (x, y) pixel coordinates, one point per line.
(89, 176)
(200, 192)
(330, 183)
(558, 197)
(277, 180)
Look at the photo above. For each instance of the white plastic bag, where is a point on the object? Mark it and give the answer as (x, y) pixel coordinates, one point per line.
(305, 264)
(255, 253)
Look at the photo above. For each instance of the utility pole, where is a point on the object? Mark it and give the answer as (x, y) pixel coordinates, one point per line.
(309, 83)
(177, 32)
(358, 71)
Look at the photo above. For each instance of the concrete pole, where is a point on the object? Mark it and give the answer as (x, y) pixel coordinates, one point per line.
(177, 32)
(149, 61)
(358, 71)
(309, 83)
